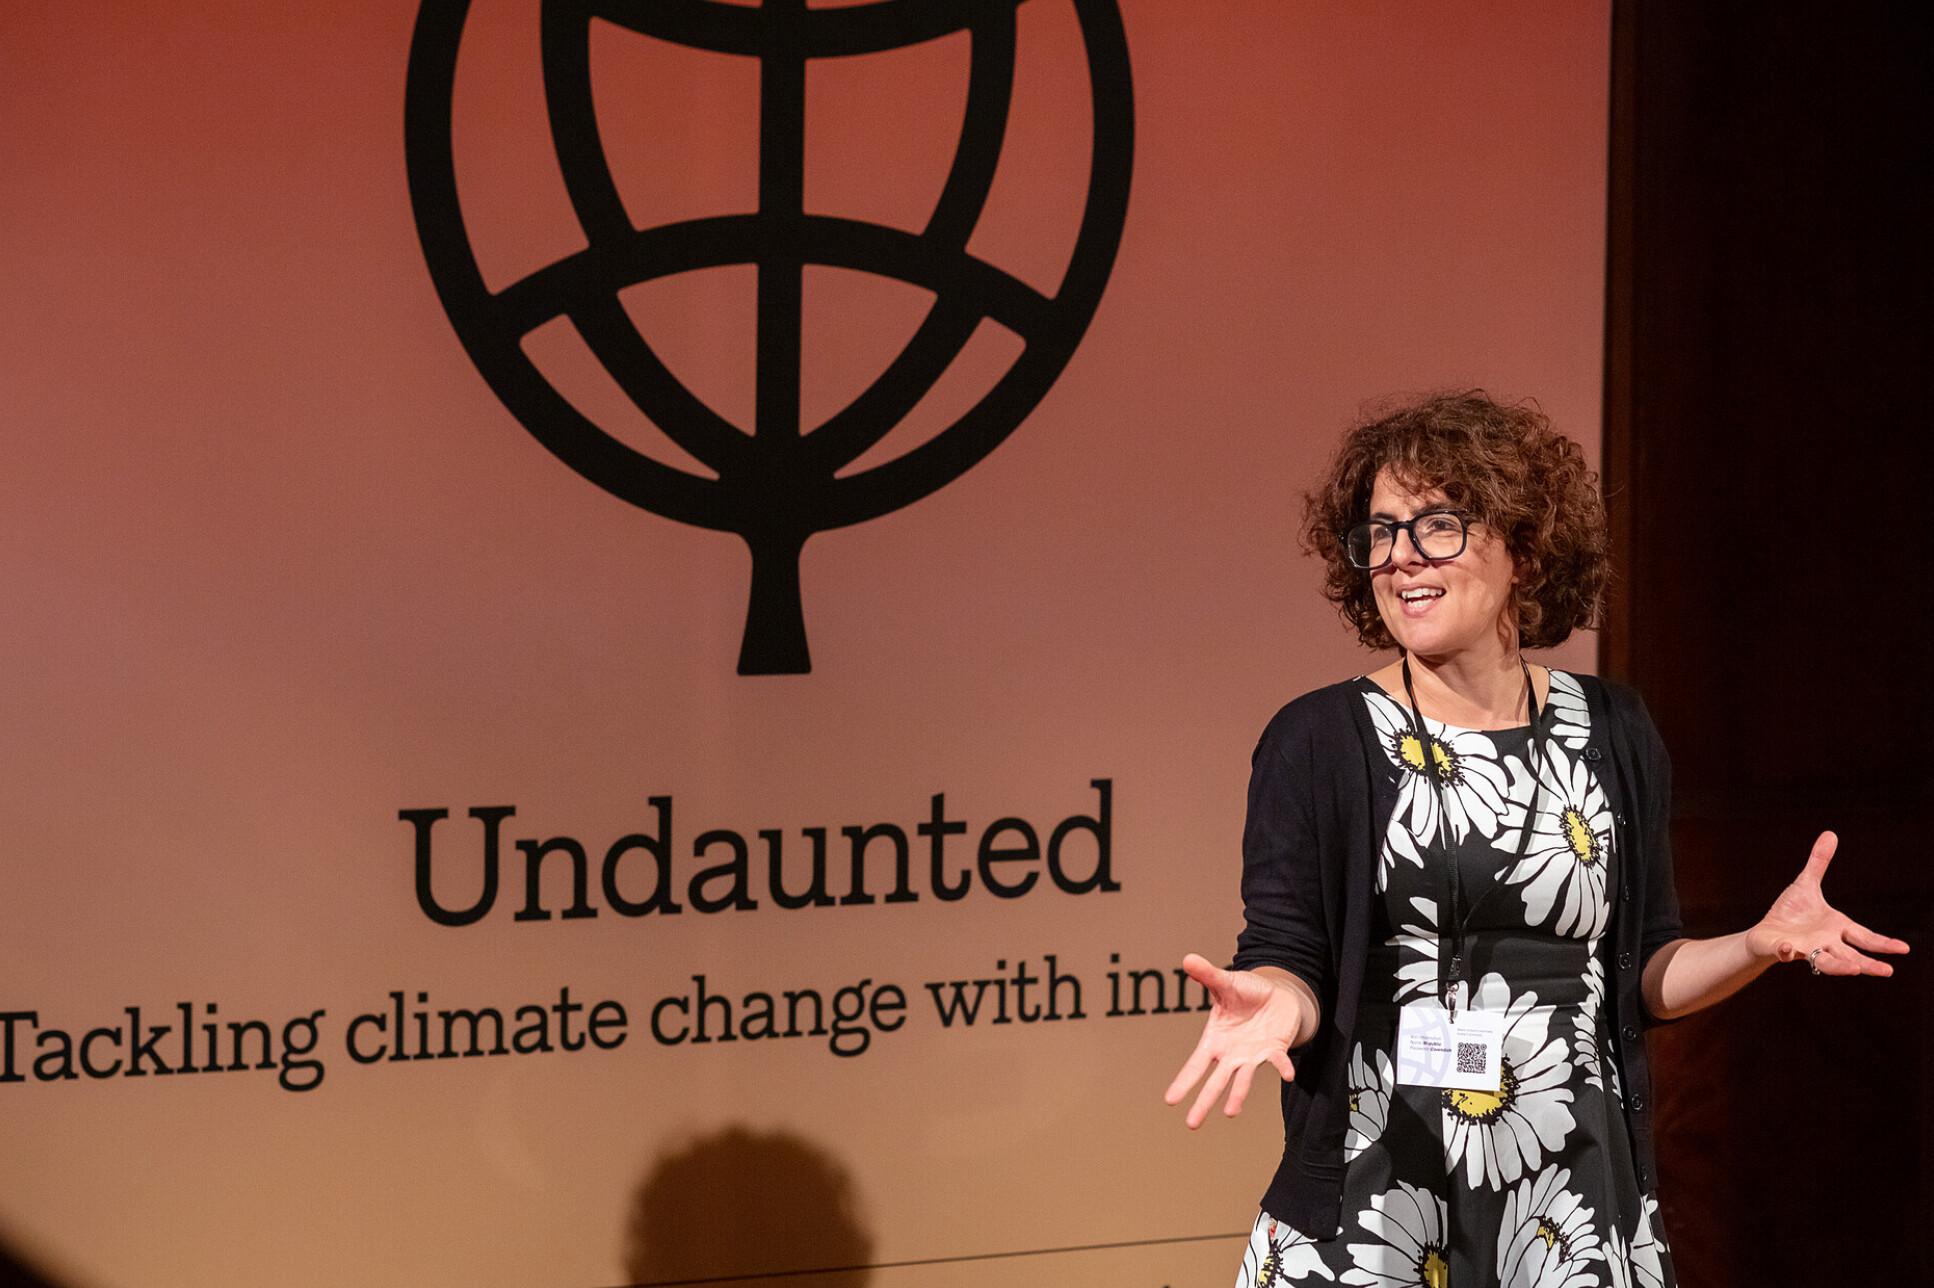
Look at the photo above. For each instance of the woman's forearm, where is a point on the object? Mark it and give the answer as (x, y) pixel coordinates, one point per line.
(1688, 975)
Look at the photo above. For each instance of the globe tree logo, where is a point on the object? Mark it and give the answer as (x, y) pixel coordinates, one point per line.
(781, 482)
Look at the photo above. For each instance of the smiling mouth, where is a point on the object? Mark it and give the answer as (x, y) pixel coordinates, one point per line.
(1422, 594)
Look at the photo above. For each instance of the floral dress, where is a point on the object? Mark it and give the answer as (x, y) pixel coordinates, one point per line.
(1533, 1186)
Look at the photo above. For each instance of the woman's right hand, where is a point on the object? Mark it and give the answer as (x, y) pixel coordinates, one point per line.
(1256, 1017)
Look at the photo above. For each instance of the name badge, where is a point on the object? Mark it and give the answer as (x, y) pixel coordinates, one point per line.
(1433, 1050)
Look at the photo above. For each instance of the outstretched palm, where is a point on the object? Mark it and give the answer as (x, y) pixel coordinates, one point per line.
(1802, 924)
(1253, 1021)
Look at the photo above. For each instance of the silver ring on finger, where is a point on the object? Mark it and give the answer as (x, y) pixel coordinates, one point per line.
(1813, 960)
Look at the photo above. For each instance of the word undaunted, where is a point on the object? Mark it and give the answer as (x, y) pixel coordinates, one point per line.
(1008, 859)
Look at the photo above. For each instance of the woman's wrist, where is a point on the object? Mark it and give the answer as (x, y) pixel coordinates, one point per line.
(1309, 1012)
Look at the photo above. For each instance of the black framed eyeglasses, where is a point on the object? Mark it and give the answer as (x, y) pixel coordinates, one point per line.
(1440, 534)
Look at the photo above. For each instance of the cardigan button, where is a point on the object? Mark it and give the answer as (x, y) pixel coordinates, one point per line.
(1593, 753)
(1638, 1104)
(1619, 819)
(1626, 894)
(1630, 1033)
(1625, 961)
(1645, 1178)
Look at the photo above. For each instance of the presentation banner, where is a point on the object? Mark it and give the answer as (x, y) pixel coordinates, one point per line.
(634, 629)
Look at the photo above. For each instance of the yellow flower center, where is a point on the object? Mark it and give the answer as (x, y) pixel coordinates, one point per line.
(1554, 1238)
(1434, 1271)
(1476, 1104)
(1579, 835)
(1412, 754)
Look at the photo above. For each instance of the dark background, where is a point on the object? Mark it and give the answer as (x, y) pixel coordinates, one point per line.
(1767, 464)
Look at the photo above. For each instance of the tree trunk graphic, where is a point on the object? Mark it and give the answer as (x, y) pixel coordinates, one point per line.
(775, 615)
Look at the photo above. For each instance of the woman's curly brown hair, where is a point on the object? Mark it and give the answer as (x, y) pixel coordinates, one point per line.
(1504, 465)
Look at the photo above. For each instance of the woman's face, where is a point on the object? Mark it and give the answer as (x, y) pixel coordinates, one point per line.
(1441, 609)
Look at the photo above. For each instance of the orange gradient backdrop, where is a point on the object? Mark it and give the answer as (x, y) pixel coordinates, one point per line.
(278, 565)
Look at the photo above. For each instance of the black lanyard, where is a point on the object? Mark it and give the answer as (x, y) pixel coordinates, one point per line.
(1454, 926)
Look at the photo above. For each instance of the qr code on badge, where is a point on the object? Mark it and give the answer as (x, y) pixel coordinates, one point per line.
(1470, 1057)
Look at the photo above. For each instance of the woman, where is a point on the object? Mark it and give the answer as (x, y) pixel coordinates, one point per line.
(1458, 896)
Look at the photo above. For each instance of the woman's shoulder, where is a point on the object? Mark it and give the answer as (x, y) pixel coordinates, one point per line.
(1319, 715)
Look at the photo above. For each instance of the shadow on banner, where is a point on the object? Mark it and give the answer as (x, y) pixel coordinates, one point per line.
(740, 1206)
(17, 1272)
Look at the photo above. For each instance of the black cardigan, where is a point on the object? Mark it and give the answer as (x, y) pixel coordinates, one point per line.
(1321, 793)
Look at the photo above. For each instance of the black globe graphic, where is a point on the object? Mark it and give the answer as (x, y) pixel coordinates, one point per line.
(780, 483)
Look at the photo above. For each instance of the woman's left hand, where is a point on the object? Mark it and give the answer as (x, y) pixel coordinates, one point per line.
(1802, 925)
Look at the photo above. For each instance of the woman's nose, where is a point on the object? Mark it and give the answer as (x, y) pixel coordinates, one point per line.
(1403, 548)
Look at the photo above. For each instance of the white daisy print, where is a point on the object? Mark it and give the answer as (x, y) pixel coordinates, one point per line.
(1398, 846)
(1416, 945)
(1588, 1053)
(1648, 1247)
(1278, 1254)
(1370, 1085)
(1587, 1043)
(1633, 1265)
(1475, 786)
(1571, 721)
(1499, 1138)
(1409, 1225)
(1594, 978)
(1565, 863)
(1618, 1261)
(1547, 1239)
